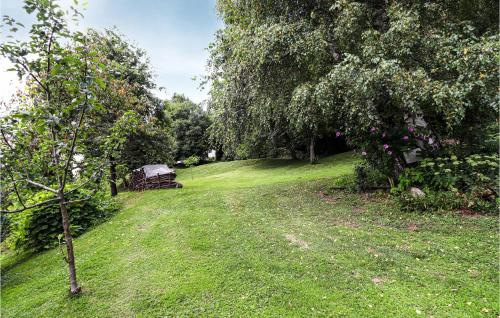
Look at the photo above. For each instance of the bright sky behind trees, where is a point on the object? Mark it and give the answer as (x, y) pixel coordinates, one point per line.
(175, 34)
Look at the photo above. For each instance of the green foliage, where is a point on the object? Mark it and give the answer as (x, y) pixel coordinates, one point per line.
(189, 124)
(131, 129)
(453, 173)
(191, 161)
(148, 145)
(361, 178)
(285, 71)
(43, 146)
(4, 227)
(258, 68)
(42, 137)
(433, 201)
(41, 228)
(471, 181)
(242, 152)
(367, 178)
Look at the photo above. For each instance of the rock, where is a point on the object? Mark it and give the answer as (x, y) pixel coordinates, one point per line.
(416, 192)
(412, 156)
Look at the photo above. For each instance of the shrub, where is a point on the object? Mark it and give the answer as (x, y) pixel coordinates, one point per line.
(432, 201)
(452, 182)
(347, 182)
(191, 161)
(41, 228)
(368, 178)
(4, 227)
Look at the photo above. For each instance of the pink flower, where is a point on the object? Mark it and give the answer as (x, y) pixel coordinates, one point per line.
(338, 134)
(383, 135)
(373, 129)
(386, 146)
(363, 153)
(389, 152)
(405, 138)
(411, 129)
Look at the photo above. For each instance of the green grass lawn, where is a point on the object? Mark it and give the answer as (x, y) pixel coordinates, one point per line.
(259, 238)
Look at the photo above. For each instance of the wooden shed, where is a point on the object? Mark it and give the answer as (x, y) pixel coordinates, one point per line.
(153, 177)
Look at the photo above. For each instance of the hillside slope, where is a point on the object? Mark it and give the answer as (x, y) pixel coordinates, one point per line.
(261, 238)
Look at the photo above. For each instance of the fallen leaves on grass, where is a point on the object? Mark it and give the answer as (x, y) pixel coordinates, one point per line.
(470, 213)
(327, 198)
(357, 210)
(412, 227)
(296, 241)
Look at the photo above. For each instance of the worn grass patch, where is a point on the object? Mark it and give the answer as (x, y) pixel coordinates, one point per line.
(262, 238)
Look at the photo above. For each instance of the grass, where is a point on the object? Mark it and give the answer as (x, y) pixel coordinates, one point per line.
(260, 238)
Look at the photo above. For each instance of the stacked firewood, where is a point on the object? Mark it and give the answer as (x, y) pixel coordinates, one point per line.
(139, 182)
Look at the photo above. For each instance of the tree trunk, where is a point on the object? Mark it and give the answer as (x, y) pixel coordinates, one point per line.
(112, 177)
(312, 155)
(74, 288)
(219, 154)
(125, 182)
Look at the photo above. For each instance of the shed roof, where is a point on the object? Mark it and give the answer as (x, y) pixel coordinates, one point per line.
(153, 170)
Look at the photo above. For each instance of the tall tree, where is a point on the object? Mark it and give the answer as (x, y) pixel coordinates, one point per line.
(189, 123)
(128, 90)
(267, 53)
(283, 70)
(41, 141)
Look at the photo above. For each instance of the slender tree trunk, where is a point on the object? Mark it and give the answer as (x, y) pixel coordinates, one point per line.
(74, 288)
(112, 177)
(312, 155)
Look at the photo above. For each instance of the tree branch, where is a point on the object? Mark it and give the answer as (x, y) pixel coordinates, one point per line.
(15, 189)
(49, 48)
(81, 200)
(6, 140)
(39, 185)
(26, 179)
(86, 182)
(75, 137)
(72, 149)
(30, 73)
(44, 203)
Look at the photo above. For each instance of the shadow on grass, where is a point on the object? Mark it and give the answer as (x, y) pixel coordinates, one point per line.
(280, 163)
(15, 259)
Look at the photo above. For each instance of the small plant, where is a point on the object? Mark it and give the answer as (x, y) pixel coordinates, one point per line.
(190, 162)
(345, 182)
